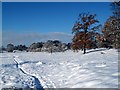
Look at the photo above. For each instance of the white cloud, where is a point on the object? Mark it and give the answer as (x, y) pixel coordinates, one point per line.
(28, 38)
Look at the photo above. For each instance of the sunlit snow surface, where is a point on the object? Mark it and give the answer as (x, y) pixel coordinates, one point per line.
(96, 69)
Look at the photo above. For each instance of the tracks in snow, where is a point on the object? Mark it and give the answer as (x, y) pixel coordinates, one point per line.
(37, 82)
(47, 82)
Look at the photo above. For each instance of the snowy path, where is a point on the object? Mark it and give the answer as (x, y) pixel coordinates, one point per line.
(47, 83)
(37, 82)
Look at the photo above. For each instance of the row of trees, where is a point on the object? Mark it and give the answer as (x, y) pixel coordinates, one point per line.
(87, 32)
(11, 48)
(49, 46)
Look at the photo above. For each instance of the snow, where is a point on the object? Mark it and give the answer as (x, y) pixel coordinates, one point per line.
(95, 69)
(39, 63)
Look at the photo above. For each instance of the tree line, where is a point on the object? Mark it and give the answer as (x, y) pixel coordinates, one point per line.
(48, 46)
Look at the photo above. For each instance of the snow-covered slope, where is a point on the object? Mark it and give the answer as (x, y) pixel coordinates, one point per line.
(96, 69)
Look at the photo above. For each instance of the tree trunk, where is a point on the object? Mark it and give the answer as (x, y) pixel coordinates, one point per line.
(51, 50)
(84, 49)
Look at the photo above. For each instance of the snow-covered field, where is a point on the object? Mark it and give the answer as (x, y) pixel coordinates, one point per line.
(96, 69)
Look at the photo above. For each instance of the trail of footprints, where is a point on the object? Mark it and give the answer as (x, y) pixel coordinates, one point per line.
(47, 82)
